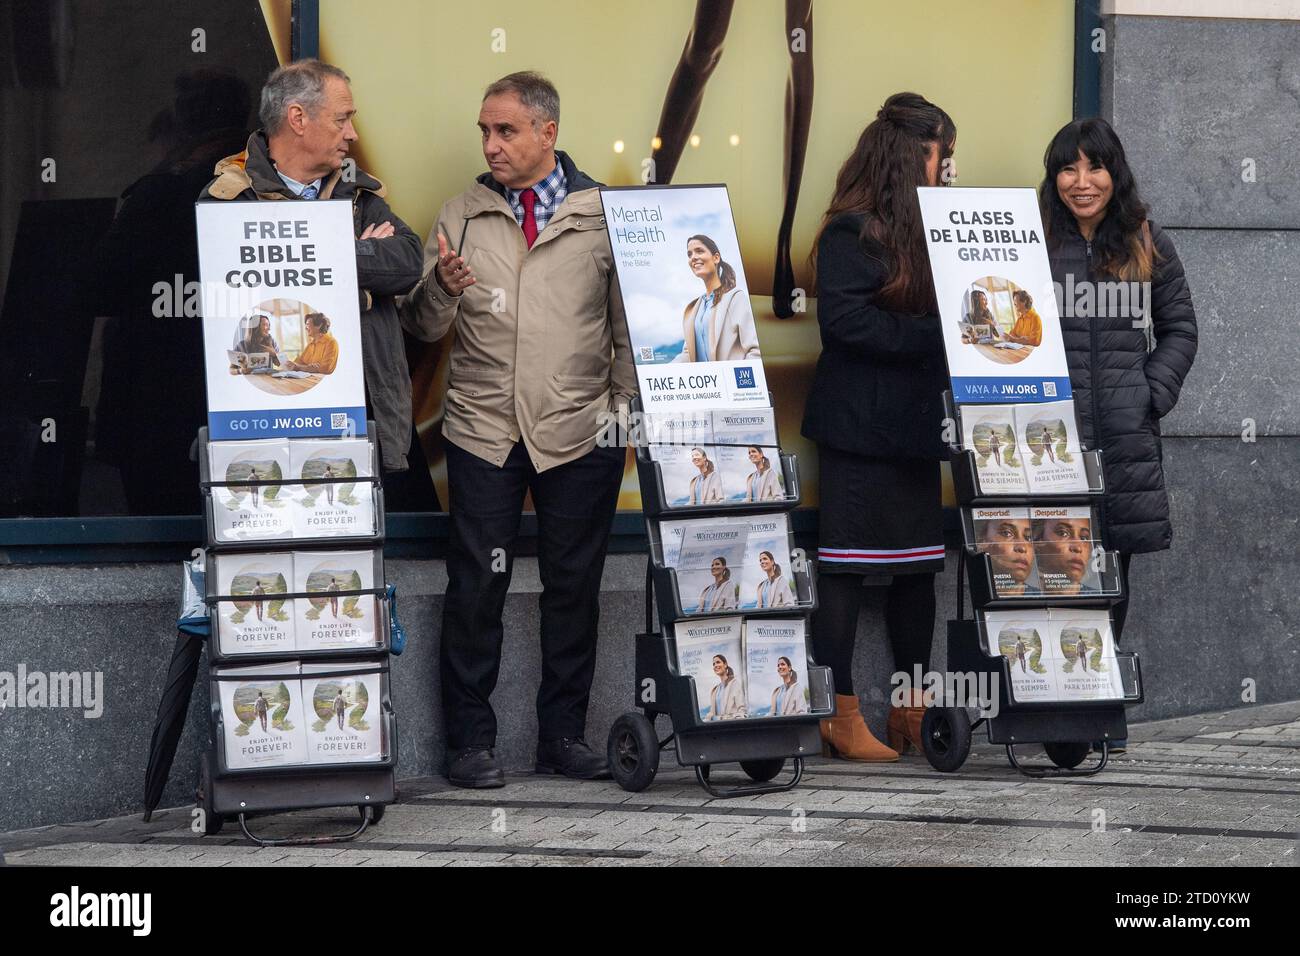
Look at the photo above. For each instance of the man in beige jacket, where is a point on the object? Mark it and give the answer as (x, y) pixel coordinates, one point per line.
(520, 266)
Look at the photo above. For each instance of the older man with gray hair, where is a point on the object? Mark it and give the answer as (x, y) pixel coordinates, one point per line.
(301, 154)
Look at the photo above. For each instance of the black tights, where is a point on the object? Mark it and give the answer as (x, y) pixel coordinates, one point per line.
(909, 623)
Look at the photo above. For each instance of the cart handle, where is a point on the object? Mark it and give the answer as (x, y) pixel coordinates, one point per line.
(961, 590)
(649, 596)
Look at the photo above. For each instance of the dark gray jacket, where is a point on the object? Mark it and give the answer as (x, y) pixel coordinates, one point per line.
(1121, 392)
(386, 268)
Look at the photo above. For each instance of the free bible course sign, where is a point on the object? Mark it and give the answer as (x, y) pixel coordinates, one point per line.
(281, 319)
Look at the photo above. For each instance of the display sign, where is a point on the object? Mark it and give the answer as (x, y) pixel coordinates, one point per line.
(684, 292)
(997, 304)
(281, 319)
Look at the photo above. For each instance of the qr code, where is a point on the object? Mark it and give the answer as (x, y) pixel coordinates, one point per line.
(1049, 389)
(338, 421)
(647, 353)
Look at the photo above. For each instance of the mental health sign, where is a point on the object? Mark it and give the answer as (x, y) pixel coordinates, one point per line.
(685, 296)
(997, 304)
(281, 319)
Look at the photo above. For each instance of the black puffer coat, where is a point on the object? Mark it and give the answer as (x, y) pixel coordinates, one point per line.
(1121, 392)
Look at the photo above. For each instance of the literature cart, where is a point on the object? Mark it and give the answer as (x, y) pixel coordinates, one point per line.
(664, 686)
(1022, 644)
(301, 711)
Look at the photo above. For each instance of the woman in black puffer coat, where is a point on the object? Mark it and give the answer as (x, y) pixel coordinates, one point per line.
(1126, 371)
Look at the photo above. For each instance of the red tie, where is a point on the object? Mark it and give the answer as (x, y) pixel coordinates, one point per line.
(529, 198)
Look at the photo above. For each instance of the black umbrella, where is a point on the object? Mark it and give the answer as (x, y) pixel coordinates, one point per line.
(173, 708)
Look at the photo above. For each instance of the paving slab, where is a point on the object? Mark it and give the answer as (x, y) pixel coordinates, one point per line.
(1211, 789)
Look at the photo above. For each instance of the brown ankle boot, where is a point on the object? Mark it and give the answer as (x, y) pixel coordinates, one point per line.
(904, 728)
(846, 735)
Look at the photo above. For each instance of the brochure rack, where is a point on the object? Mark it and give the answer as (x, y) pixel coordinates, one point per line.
(227, 791)
(1065, 728)
(370, 486)
(761, 745)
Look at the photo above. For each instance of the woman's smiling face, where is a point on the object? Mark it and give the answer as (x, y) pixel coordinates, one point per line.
(1085, 189)
(702, 262)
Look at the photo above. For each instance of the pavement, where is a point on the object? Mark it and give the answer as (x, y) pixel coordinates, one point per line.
(1219, 789)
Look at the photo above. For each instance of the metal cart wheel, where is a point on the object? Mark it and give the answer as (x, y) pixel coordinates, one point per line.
(761, 771)
(946, 737)
(212, 821)
(1067, 756)
(633, 751)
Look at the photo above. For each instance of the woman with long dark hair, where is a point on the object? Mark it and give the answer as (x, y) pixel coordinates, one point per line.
(763, 483)
(1126, 366)
(721, 594)
(719, 325)
(257, 339)
(706, 487)
(875, 411)
(773, 590)
(979, 315)
(787, 698)
(727, 699)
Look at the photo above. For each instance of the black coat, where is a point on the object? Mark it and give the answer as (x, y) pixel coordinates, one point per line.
(1120, 391)
(881, 374)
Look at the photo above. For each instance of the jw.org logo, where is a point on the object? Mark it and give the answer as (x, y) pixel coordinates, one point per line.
(745, 377)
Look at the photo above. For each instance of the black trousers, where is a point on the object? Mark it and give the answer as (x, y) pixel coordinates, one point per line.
(575, 505)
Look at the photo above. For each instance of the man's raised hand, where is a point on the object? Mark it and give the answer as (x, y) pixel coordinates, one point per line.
(451, 272)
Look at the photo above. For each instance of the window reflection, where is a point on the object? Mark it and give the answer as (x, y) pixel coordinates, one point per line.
(101, 377)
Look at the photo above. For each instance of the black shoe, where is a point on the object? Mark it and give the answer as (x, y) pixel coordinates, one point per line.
(475, 767)
(572, 757)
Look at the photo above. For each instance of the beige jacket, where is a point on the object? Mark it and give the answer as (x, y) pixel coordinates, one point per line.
(763, 486)
(731, 336)
(542, 347)
(732, 703)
